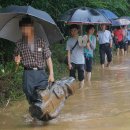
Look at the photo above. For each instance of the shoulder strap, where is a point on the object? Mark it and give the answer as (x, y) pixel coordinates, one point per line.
(74, 46)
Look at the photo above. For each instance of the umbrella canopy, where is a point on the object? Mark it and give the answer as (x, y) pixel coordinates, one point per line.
(107, 13)
(120, 22)
(43, 23)
(125, 17)
(84, 15)
(115, 23)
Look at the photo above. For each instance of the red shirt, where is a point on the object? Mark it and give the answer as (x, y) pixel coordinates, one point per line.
(119, 34)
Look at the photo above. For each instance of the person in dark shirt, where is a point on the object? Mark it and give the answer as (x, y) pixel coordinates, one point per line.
(33, 52)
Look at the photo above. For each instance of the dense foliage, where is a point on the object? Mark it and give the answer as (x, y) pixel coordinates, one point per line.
(56, 7)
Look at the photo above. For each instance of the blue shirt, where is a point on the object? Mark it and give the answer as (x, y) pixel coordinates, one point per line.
(89, 52)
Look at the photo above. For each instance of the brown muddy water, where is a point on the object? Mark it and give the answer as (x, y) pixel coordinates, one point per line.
(102, 105)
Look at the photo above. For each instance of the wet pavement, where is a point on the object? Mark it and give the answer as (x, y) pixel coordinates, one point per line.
(102, 105)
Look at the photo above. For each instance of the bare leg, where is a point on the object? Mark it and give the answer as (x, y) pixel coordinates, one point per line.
(105, 59)
(89, 76)
(81, 84)
(122, 52)
(128, 48)
(125, 53)
(117, 52)
(102, 66)
(108, 64)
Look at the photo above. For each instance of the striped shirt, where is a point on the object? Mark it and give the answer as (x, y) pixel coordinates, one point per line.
(33, 59)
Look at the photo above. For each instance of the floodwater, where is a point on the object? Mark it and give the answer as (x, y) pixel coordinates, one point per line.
(102, 105)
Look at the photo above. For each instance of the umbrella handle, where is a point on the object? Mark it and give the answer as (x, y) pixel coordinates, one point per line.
(17, 67)
(81, 29)
(17, 61)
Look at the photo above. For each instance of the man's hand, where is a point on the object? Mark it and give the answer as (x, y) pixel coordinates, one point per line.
(88, 45)
(50, 67)
(51, 78)
(70, 66)
(110, 45)
(17, 59)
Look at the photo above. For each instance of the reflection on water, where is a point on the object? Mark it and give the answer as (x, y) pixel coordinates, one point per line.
(102, 105)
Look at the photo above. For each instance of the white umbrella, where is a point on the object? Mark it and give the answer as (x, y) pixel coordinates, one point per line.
(123, 21)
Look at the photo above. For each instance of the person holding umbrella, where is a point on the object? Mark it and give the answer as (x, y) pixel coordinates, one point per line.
(88, 50)
(33, 30)
(32, 52)
(105, 45)
(75, 55)
(118, 34)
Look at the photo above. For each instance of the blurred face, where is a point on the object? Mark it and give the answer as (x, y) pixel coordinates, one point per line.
(27, 30)
(91, 31)
(74, 32)
(103, 27)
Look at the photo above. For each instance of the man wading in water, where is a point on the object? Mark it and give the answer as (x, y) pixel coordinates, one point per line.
(75, 55)
(105, 45)
(32, 51)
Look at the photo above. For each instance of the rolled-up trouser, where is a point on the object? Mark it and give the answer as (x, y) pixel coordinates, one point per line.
(80, 69)
(34, 80)
(105, 49)
(125, 45)
(119, 45)
(88, 64)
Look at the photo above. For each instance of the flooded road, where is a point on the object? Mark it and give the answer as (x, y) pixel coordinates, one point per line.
(102, 105)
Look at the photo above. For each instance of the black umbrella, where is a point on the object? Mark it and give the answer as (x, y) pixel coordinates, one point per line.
(43, 23)
(84, 15)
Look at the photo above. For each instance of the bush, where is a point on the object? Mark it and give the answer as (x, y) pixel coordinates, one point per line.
(10, 82)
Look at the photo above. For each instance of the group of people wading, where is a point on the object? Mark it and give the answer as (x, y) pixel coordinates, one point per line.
(33, 52)
(80, 49)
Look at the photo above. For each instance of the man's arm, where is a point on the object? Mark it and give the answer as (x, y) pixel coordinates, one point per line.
(69, 62)
(111, 40)
(68, 49)
(111, 43)
(47, 57)
(50, 67)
